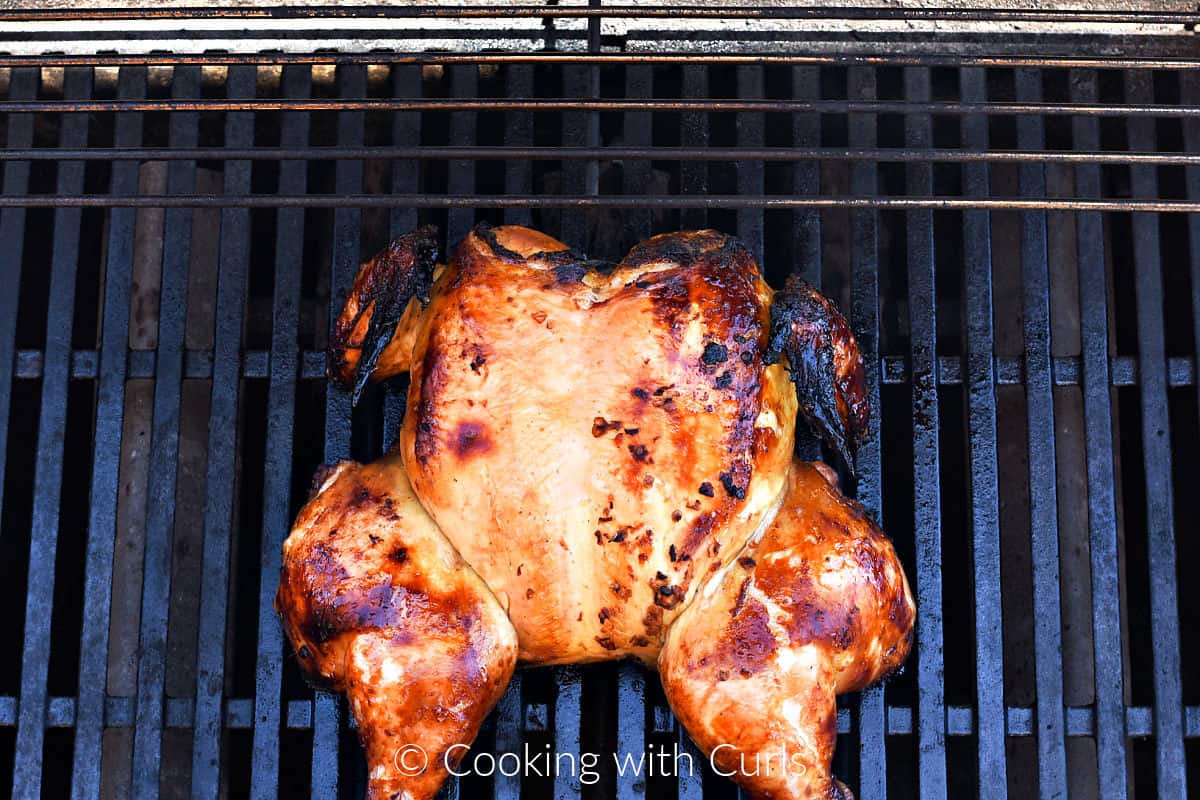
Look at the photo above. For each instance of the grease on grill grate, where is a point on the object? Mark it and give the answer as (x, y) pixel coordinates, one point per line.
(164, 400)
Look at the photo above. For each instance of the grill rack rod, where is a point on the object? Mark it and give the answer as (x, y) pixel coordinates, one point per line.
(569, 105)
(505, 153)
(873, 13)
(893, 203)
(376, 57)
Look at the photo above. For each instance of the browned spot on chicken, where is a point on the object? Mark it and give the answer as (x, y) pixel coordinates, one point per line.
(601, 426)
(470, 439)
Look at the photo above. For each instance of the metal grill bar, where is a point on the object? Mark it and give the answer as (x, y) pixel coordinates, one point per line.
(110, 408)
(39, 599)
(164, 455)
(931, 712)
(1102, 522)
(220, 519)
(461, 180)
(277, 473)
(806, 182)
(406, 176)
(1156, 452)
(1043, 505)
(872, 755)
(750, 180)
(351, 82)
(984, 482)
(23, 84)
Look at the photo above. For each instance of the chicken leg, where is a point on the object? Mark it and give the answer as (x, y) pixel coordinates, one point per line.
(378, 604)
(817, 607)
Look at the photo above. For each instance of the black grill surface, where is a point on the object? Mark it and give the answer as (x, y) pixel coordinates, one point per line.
(1009, 220)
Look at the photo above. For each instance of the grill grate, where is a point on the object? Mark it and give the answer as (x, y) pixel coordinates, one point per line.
(1002, 224)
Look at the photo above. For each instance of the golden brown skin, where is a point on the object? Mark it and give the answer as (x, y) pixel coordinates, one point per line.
(617, 432)
(819, 606)
(379, 605)
(609, 447)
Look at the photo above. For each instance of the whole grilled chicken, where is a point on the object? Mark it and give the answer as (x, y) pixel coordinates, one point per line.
(596, 463)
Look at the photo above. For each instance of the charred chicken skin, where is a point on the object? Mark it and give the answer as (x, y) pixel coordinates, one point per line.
(596, 463)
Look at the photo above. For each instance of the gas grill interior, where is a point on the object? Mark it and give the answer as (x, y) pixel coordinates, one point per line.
(1004, 201)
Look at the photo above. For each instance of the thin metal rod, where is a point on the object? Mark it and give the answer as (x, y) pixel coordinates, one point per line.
(1111, 742)
(110, 410)
(927, 508)
(164, 456)
(48, 472)
(984, 480)
(1043, 495)
(566, 57)
(1171, 766)
(889, 202)
(1093, 16)
(597, 105)
(277, 471)
(220, 519)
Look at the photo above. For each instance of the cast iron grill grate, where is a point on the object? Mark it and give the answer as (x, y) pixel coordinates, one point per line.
(1012, 227)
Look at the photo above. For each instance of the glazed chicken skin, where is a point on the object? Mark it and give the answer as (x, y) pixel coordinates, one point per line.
(608, 450)
(817, 607)
(378, 605)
